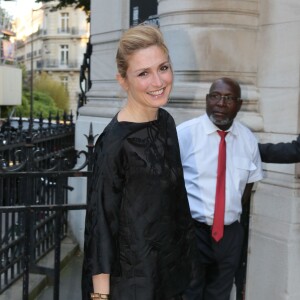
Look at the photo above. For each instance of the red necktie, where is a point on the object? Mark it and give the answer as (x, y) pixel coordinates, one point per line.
(218, 224)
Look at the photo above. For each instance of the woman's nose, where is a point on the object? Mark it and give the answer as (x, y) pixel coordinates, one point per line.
(157, 80)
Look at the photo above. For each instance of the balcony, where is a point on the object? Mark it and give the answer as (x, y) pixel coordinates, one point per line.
(71, 31)
(57, 64)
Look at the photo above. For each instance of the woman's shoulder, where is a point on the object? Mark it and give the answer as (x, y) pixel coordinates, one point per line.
(111, 136)
(165, 116)
(163, 112)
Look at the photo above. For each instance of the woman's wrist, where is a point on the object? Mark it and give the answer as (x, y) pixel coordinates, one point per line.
(99, 296)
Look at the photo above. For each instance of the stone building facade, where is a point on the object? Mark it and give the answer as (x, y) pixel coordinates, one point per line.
(58, 41)
(255, 42)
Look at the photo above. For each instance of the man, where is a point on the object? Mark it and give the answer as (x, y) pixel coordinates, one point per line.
(216, 206)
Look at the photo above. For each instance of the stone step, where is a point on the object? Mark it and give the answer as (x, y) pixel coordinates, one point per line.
(37, 283)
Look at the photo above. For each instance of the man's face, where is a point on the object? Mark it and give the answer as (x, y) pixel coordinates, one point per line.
(223, 110)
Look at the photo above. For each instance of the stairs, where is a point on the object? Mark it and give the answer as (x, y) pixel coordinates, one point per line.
(40, 284)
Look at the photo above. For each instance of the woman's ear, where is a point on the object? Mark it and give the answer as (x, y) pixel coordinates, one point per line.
(122, 81)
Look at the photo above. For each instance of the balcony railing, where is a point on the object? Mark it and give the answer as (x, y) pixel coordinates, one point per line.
(55, 63)
(70, 30)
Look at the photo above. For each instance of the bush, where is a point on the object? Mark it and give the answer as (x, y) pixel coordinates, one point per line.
(42, 104)
(44, 83)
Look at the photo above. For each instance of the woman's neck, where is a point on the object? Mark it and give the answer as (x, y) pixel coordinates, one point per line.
(135, 114)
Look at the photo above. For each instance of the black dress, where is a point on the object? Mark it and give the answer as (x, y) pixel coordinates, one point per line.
(138, 223)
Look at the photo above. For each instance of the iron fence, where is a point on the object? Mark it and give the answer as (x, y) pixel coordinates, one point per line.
(35, 164)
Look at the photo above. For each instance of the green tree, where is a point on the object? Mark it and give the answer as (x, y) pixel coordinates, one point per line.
(44, 83)
(48, 96)
(84, 4)
(42, 104)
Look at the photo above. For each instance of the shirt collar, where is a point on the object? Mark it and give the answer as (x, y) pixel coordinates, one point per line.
(210, 127)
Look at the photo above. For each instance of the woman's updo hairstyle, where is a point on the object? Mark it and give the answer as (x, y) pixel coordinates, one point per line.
(136, 38)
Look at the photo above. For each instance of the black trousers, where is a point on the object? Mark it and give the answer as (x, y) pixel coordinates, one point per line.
(216, 263)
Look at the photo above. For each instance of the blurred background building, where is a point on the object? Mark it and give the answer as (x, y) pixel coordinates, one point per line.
(57, 40)
(9, 72)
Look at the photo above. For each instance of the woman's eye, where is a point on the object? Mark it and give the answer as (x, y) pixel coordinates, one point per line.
(143, 74)
(164, 68)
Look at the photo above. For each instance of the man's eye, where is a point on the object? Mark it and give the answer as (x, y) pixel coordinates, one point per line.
(231, 98)
(215, 96)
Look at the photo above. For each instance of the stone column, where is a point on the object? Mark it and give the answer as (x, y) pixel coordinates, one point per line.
(109, 18)
(274, 250)
(207, 40)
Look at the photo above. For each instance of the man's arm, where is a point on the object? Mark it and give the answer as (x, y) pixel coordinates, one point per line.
(281, 153)
(247, 193)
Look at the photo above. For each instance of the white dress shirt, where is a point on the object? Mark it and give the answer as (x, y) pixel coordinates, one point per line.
(199, 147)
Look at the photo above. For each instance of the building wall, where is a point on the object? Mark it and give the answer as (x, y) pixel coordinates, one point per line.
(49, 35)
(275, 226)
(255, 42)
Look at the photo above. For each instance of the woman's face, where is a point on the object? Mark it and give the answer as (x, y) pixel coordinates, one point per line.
(149, 78)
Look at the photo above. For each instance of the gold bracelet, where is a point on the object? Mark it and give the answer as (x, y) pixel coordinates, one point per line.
(96, 296)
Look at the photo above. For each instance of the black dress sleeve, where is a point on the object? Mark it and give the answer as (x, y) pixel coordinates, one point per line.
(102, 215)
(280, 153)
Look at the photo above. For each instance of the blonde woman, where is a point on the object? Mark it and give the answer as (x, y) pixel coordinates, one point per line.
(139, 237)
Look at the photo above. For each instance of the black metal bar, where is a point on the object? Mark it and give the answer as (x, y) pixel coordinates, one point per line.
(45, 173)
(34, 199)
(59, 188)
(26, 260)
(20, 208)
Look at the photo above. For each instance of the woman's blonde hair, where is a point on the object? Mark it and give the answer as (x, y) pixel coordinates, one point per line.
(136, 38)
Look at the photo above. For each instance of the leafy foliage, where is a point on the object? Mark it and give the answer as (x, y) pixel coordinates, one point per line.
(44, 83)
(42, 104)
(83, 4)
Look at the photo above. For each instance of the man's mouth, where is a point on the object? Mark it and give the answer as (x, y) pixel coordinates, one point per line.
(219, 113)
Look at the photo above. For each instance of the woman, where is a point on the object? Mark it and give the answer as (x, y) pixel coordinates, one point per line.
(139, 236)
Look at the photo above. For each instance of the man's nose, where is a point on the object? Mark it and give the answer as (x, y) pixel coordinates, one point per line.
(222, 101)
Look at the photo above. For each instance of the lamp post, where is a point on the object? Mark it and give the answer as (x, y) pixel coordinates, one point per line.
(31, 73)
(31, 76)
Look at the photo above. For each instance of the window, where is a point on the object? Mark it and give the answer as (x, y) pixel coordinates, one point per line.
(140, 11)
(64, 81)
(64, 54)
(135, 15)
(64, 22)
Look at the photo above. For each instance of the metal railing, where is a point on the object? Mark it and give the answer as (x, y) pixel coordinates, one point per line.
(55, 63)
(34, 170)
(85, 82)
